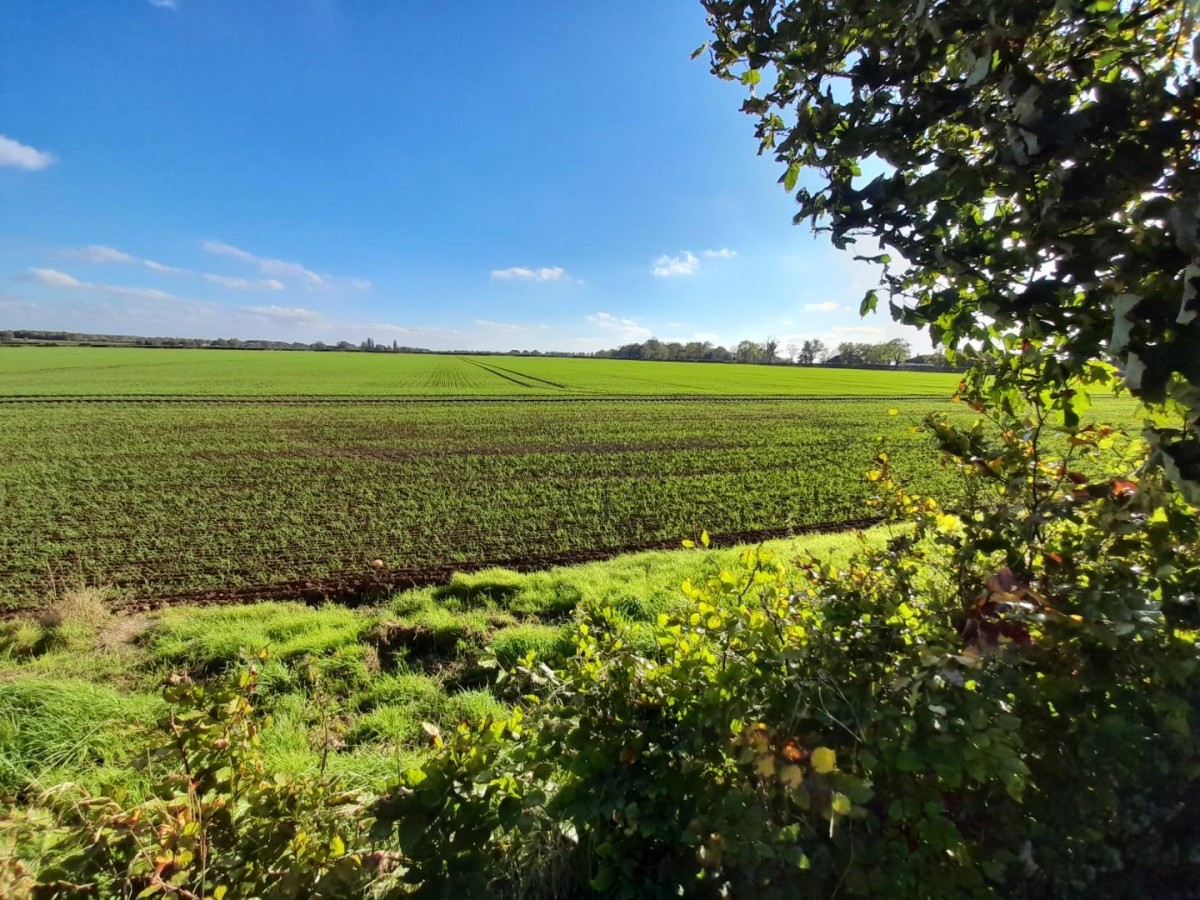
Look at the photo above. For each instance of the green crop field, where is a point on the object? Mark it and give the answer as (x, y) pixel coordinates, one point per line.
(198, 489)
(170, 498)
(129, 372)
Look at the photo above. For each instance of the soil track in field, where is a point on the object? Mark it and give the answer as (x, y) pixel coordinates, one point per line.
(508, 375)
(359, 589)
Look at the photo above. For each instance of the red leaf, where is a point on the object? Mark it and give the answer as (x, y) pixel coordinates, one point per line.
(1124, 488)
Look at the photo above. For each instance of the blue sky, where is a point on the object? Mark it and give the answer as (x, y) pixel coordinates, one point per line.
(466, 175)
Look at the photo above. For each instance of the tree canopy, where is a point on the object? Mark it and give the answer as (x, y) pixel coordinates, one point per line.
(1026, 171)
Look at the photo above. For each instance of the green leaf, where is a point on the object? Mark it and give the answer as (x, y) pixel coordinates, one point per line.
(791, 177)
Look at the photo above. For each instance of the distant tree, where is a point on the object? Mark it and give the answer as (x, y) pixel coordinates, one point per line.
(896, 351)
(769, 346)
(857, 354)
(813, 351)
(747, 352)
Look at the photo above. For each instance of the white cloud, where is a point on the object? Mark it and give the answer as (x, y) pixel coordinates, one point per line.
(245, 284)
(520, 273)
(159, 267)
(668, 266)
(623, 329)
(97, 253)
(165, 4)
(827, 306)
(723, 253)
(222, 249)
(280, 268)
(22, 156)
(294, 314)
(55, 278)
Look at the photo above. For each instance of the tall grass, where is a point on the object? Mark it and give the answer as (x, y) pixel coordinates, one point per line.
(68, 730)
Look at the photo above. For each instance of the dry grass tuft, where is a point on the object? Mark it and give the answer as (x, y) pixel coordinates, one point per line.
(122, 632)
(77, 604)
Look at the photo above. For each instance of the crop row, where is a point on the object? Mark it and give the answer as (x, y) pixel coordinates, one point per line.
(170, 499)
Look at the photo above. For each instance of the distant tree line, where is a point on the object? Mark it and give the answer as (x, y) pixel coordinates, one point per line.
(767, 352)
(129, 340)
(27, 336)
(895, 352)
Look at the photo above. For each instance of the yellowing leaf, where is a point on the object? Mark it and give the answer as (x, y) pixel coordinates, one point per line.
(765, 766)
(841, 804)
(791, 776)
(824, 760)
(689, 544)
(337, 846)
(704, 539)
(893, 411)
(949, 524)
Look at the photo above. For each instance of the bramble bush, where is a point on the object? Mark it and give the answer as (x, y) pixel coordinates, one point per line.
(216, 823)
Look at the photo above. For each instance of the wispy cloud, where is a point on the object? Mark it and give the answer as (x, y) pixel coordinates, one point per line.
(279, 268)
(159, 267)
(22, 156)
(165, 4)
(520, 273)
(686, 263)
(293, 314)
(96, 253)
(57, 279)
(723, 253)
(245, 284)
(619, 328)
(827, 306)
